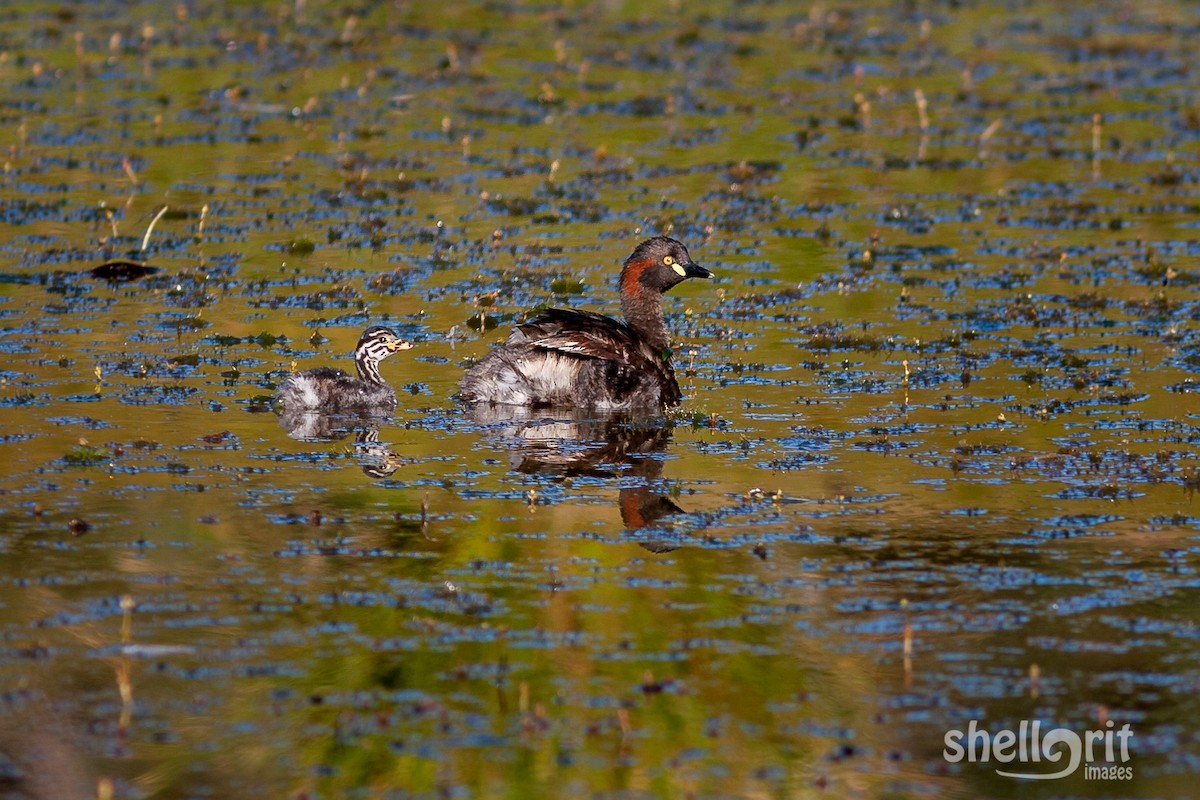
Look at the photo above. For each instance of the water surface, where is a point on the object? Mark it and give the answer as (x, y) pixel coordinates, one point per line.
(936, 462)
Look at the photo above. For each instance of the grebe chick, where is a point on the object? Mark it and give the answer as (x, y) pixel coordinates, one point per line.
(328, 390)
(586, 360)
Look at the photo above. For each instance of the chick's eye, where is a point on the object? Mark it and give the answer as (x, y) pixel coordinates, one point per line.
(668, 260)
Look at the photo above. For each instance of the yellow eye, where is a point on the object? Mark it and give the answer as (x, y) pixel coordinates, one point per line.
(668, 260)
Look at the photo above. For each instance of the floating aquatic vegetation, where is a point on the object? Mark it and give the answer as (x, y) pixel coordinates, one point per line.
(120, 270)
(85, 455)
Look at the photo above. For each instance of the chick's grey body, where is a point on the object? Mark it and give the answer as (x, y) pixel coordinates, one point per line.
(586, 360)
(328, 390)
(334, 391)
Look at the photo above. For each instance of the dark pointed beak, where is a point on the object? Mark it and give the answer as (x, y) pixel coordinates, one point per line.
(693, 270)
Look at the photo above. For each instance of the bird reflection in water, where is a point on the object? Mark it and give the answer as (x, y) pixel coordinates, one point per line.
(374, 458)
(566, 444)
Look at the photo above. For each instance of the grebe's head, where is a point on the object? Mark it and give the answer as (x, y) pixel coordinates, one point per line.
(377, 343)
(658, 264)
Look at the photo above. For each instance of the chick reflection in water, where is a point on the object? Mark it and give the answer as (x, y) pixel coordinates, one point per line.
(573, 444)
(374, 457)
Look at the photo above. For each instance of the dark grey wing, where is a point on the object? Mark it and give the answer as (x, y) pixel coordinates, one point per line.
(580, 333)
(587, 335)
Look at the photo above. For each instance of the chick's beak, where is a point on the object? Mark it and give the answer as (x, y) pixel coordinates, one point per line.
(399, 344)
(693, 270)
